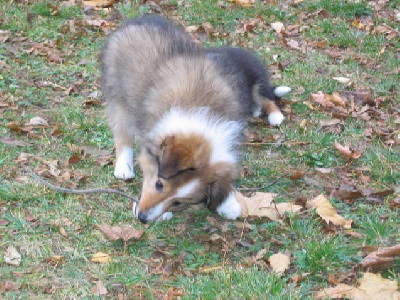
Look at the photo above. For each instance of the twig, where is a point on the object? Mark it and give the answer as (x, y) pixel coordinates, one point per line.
(75, 191)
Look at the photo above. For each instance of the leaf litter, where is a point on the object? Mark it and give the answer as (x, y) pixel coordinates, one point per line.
(355, 106)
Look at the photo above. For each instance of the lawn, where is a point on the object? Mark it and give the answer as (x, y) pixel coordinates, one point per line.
(341, 60)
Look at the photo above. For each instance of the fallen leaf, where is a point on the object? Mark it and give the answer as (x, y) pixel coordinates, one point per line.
(74, 159)
(278, 27)
(13, 142)
(244, 3)
(37, 121)
(125, 233)
(56, 260)
(342, 79)
(327, 212)
(101, 257)
(320, 98)
(380, 259)
(372, 287)
(262, 205)
(336, 99)
(12, 256)
(346, 151)
(99, 289)
(7, 286)
(4, 35)
(279, 262)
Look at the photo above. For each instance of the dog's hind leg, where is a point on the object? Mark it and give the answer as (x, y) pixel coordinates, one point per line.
(262, 95)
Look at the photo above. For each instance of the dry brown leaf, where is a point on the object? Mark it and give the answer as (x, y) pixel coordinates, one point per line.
(338, 292)
(12, 256)
(6, 286)
(380, 259)
(125, 233)
(4, 35)
(336, 99)
(279, 262)
(244, 3)
(99, 289)
(320, 98)
(327, 212)
(262, 205)
(101, 257)
(346, 151)
(13, 142)
(372, 287)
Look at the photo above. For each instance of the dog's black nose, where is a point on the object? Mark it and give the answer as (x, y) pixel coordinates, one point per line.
(142, 218)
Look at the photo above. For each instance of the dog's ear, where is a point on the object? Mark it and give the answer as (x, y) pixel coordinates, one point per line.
(222, 177)
(175, 157)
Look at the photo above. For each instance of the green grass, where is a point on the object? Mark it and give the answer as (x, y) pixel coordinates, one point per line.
(173, 255)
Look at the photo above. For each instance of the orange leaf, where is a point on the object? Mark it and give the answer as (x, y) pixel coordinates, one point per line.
(346, 151)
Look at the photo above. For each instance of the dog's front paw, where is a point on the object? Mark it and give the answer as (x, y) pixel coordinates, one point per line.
(275, 118)
(230, 208)
(166, 216)
(124, 170)
(124, 166)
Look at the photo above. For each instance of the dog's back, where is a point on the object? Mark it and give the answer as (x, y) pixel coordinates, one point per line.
(151, 65)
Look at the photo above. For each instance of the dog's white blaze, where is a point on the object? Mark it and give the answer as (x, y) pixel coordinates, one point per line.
(230, 208)
(155, 212)
(124, 165)
(222, 134)
(275, 118)
(282, 90)
(187, 189)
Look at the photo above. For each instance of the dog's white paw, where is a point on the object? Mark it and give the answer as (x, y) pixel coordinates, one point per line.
(230, 208)
(257, 112)
(166, 216)
(124, 166)
(275, 118)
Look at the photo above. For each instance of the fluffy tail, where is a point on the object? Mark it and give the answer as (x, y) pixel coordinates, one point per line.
(281, 90)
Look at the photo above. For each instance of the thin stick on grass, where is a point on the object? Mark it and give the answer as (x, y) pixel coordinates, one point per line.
(76, 191)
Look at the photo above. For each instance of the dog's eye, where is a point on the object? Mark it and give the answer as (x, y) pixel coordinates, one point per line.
(159, 186)
(176, 203)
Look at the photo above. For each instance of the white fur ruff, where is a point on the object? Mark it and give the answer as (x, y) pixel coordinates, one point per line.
(230, 208)
(124, 165)
(222, 134)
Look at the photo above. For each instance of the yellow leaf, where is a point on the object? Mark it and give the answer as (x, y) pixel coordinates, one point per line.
(244, 3)
(262, 205)
(278, 27)
(372, 287)
(101, 257)
(279, 262)
(12, 256)
(327, 212)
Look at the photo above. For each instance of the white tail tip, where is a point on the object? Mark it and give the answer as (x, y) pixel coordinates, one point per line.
(281, 90)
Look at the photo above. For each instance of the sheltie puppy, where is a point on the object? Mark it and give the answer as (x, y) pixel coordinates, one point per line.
(187, 107)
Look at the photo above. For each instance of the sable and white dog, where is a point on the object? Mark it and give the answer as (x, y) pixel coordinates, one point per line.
(186, 106)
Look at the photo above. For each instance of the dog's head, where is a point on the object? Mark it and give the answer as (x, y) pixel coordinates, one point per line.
(178, 172)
